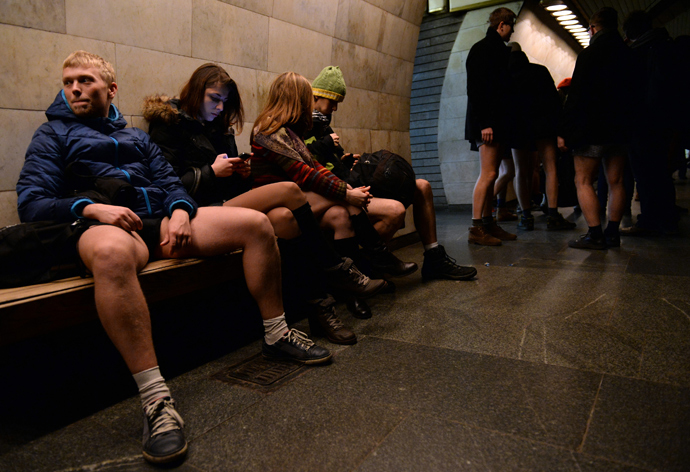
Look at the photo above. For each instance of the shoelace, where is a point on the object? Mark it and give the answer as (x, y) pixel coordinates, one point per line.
(163, 417)
(332, 320)
(298, 337)
(361, 278)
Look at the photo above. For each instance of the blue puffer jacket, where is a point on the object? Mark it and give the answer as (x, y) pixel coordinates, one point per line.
(110, 150)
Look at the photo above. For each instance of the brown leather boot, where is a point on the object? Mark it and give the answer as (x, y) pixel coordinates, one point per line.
(497, 232)
(504, 214)
(479, 235)
(324, 321)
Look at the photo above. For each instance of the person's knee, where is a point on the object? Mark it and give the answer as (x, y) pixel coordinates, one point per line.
(293, 194)
(335, 217)
(114, 256)
(423, 188)
(283, 222)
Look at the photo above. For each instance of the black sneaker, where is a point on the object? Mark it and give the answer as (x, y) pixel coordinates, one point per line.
(586, 241)
(164, 440)
(439, 265)
(526, 223)
(325, 322)
(613, 240)
(296, 346)
(556, 223)
(346, 278)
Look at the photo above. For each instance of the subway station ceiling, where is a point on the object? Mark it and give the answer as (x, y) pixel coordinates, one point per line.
(674, 15)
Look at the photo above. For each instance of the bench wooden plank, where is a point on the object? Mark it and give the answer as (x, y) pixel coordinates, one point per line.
(34, 310)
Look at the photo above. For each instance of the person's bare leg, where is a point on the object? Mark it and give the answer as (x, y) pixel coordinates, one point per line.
(114, 257)
(548, 152)
(424, 212)
(219, 230)
(490, 159)
(268, 197)
(523, 177)
(506, 173)
(614, 167)
(387, 216)
(585, 169)
(284, 224)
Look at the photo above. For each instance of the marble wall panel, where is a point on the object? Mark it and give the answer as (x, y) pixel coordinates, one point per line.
(8, 208)
(457, 63)
(316, 15)
(263, 84)
(229, 34)
(451, 129)
(360, 23)
(162, 25)
(458, 193)
(358, 110)
(394, 75)
(46, 15)
(454, 85)
(395, 7)
(265, 7)
(461, 171)
(354, 140)
(31, 62)
(360, 65)
(399, 37)
(395, 141)
(456, 150)
(393, 112)
(454, 107)
(136, 82)
(242, 139)
(16, 129)
(293, 48)
(467, 38)
(414, 10)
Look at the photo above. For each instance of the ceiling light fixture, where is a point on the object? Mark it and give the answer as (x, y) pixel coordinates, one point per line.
(569, 22)
(561, 13)
(567, 17)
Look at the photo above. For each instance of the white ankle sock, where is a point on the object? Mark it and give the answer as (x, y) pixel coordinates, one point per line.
(151, 385)
(430, 246)
(274, 329)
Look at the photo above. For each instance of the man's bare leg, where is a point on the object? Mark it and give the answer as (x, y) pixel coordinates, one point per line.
(387, 216)
(585, 169)
(523, 160)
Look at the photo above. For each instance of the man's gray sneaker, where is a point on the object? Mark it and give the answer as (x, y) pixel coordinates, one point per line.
(296, 346)
(164, 441)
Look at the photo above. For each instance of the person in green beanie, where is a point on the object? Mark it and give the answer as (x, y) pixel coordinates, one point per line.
(387, 215)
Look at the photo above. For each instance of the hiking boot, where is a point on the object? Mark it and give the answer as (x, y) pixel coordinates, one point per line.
(479, 235)
(358, 308)
(325, 322)
(347, 278)
(164, 440)
(504, 214)
(586, 241)
(526, 223)
(497, 232)
(296, 346)
(556, 223)
(439, 265)
(385, 262)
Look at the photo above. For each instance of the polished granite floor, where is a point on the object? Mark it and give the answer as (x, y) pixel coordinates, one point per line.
(552, 359)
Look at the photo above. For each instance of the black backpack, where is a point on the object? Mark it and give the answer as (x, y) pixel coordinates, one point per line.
(38, 252)
(388, 174)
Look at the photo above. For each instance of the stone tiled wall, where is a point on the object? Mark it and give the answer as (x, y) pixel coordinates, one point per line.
(156, 44)
(459, 165)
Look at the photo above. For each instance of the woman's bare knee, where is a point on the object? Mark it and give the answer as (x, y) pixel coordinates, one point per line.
(284, 224)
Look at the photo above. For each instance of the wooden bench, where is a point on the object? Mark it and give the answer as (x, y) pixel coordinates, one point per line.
(34, 310)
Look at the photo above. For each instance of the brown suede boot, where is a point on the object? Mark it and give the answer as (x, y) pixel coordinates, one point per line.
(504, 214)
(479, 235)
(497, 232)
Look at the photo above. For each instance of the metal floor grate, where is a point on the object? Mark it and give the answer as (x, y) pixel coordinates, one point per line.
(260, 373)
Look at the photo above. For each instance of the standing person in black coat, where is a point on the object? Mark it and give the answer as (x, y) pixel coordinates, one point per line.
(596, 124)
(659, 118)
(487, 123)
(536, 98)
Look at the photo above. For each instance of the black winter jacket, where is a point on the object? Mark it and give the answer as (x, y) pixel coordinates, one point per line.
(488, 88)
(191, 148)
(599, 109)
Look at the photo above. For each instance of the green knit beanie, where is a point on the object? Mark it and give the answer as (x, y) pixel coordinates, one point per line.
(330, 84)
